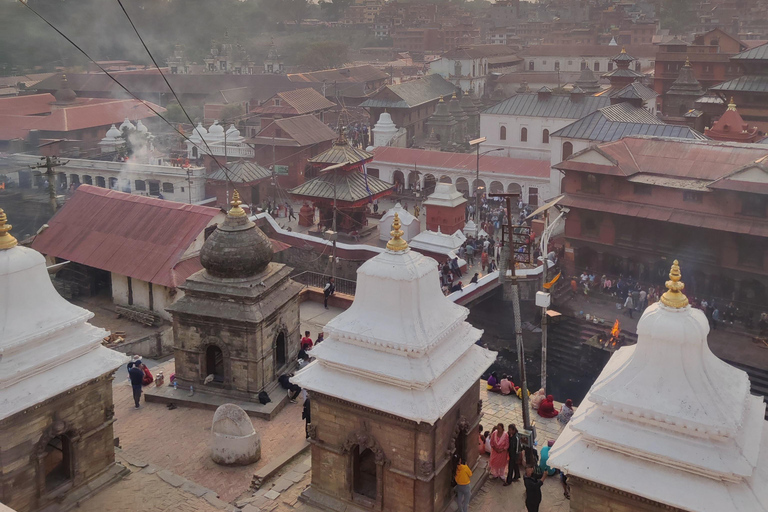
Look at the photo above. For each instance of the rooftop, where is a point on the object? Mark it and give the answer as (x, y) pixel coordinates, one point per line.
(131, 235)
(586, 50)
(365, 73)
(478, 51)
(757, 53)
(412, 93)
(299, 101)
(554, 105)
(302, 130)
(346, 186)
(241, 172)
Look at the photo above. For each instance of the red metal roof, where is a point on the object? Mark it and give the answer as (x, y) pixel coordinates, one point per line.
(460, 162)
(136, 236)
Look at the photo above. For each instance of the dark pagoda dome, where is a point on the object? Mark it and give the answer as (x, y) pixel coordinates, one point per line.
(64, 94)
(237, 248)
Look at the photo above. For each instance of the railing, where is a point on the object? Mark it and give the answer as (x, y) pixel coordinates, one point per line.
(318, 280)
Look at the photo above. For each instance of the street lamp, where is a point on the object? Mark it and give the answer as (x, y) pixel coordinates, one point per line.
(476, 143)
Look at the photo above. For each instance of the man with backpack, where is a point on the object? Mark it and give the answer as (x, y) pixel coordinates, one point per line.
(330, 289)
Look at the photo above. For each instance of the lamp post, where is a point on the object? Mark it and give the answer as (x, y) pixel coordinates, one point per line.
(476, 143)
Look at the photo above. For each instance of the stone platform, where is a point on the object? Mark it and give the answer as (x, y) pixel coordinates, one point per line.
(202, 400)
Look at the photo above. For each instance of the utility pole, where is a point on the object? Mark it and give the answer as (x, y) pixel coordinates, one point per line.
(51, 162)
(189, 183)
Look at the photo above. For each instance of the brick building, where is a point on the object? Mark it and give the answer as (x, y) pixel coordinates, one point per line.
(639, 201)
(749, 91)
(292, 103)
(394, 391)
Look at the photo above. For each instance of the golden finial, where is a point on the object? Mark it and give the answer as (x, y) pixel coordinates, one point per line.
(397, 243)
(732, 105)
(687, 62)
(236, 211)
(7, 241)
(454, 95)
(674, 296)
(441, 100)
(623, 49)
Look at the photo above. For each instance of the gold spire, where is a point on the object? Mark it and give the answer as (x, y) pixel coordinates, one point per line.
(454, 95)
(674, 296)
(732, 105)
(623, 49)
(397, 243)
(7, 241)
(441, 100)
(236, 211)
(687, 62)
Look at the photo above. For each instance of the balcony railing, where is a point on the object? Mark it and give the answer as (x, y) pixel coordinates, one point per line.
(318, 280)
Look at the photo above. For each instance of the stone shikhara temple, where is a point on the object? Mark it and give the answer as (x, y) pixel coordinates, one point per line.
(56, 411)
(395, 392)
(667, 425)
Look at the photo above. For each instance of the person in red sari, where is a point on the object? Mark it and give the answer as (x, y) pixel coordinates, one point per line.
(499, 451)
(148, 377)
(547, 408)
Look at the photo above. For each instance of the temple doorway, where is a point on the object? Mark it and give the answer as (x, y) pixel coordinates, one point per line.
(364, 473)
(214, 363)
(280, 355)
(57, 462)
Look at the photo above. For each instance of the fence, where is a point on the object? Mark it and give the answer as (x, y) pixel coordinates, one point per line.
(318, 280)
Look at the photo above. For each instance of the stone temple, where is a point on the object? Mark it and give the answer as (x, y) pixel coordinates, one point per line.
(56, 411)
(667, 425)
(394, 390)
(237, 324)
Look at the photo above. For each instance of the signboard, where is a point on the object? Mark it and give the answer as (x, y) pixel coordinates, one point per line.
(281, 170)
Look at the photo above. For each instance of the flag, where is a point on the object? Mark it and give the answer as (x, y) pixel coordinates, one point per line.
(548, 285)
(367, 188)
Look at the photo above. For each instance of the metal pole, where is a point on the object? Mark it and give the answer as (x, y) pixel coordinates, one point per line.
(334, 236)
(544, 265)
(520, 353)
(477, 189)
(189, 183)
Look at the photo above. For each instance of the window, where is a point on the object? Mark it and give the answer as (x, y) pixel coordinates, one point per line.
(277, 102)
(545, 137)
(140, 185)
(590, 227)
(87, 180)
(642, 189)
(753, 205)
(113, 183)
(364, 473)
(583, 65)
(567, 150)
(503, 133)
(690, 196)
(750, 254)
(533, 196)
(530, 66)
(154, 188)
(557, 65)
(101, 182)
(590, 184)
(597, 66)
(610, 66)
(524, 135)
(168, 188)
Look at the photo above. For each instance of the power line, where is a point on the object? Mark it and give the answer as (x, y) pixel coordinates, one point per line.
(123, 87)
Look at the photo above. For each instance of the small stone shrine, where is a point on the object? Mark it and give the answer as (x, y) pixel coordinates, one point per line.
(56, 411)
(395, 391)
(667, 425)
(237, 324)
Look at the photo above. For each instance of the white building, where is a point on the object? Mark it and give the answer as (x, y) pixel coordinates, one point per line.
(521, 125)
(410, 225)
(147, 246)
(575, 57)
(468, 66)
(216, 141)
(421, 170)
(667, 425)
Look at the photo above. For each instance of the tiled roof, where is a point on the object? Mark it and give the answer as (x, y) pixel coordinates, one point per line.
(424, 159)
(748, 83)
(131, 235)
(555, 105)
(305, 130)
(622, 120)
(341, 153)
(585, 50)
(26, 105)
(350, 187)
(757, 53)
(622, 73)
(635, 90)
(365, 73)
(413, 93)
(478, 51)
(241, 172)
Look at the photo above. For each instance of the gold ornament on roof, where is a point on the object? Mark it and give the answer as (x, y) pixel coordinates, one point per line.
(674, 296)
(236, 211)
(687, 62)
(623, 49)
(732, 105)
(397, 243)
(7, 241)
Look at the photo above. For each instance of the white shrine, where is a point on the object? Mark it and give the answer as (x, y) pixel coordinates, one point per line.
(411, 226)
(56, 409)
(218, 142)
(667, 425)
(385, 133)
(394, 390)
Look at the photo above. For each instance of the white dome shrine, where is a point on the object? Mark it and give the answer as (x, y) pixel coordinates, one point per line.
(140, 128)
(215, 132)
(126, 124)
(113, 133)
(402, 347)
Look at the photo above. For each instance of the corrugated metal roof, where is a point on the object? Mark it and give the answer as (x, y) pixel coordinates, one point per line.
(306, 100)
(364, 73)
(748, 83)
(559, 106)
(586, 50)
(416, 92)
(634, 90)
(622, 73)
(756, 53)
(136, 236)
(373, 103)
(350, 187)
(622, 120)
(242, 172)
(303, 130)
(479, 51)
(422, 159)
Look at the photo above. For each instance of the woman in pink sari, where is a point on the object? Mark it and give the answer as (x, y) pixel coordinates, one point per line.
(499, 451)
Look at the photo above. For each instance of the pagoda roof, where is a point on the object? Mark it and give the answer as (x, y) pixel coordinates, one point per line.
(350, 186)
(588, 81)
(756, 53)
(635, 90)
(732, 127)
(342, 153)
(623, 56)
(241, 172)
(623, 73)
(686, 83)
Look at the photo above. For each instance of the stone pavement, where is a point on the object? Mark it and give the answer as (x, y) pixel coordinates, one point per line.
(498, 408)
(314, 317)
(177, 440)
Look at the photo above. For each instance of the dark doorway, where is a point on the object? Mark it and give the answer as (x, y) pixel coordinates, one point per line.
(57, 462)
(280, 352)
(255, 196)
(364, 473)
(214, 363)
(460, 445)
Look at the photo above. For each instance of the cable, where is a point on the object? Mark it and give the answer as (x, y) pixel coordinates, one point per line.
(111, 77)
(165, 79)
